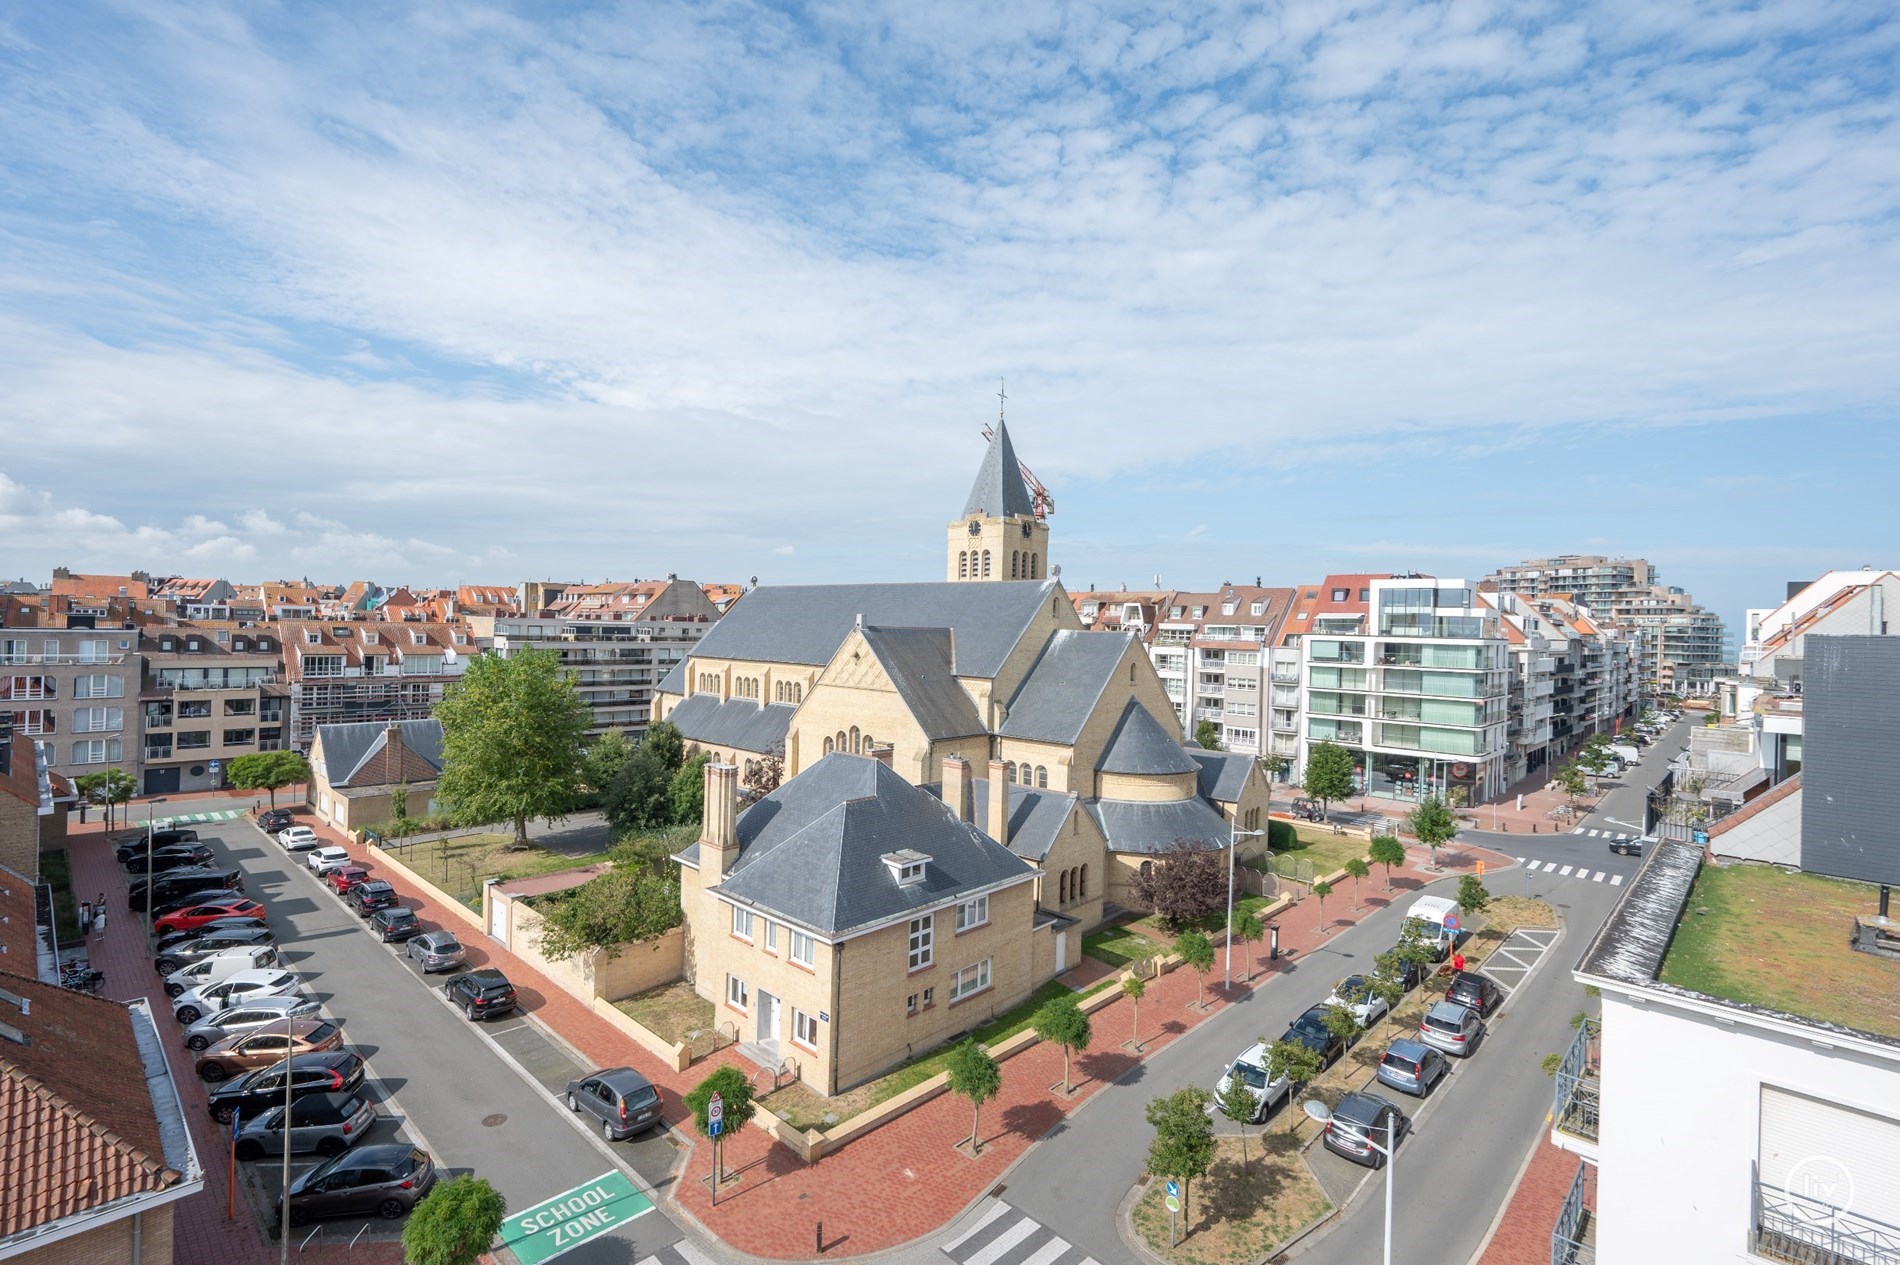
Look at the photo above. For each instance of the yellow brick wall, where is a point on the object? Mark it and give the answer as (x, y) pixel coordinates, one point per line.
(1078, 844)
(1159, 788)
(854, 691)
(112, 1244)
(1001, 536)
(1123, 867)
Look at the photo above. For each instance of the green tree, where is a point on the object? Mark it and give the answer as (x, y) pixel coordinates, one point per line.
(1207, 733)
(1573, 781)
(1322, 890)
(1134, 988)
(268, 771)
(668, 743)
(624, 906)
(1386, 850)
(1416, 952)
(735, 1095)
(1237, 1103)
(511, 741)
(1060, 1020)
(603, 760)
(399, 801)
(637, 799)
(1432, 823)
(1356, 870)
(1273, 765)
(1387, 983)
(1472, 896)
(1197, 951)
(454, 1223)
(107, 788)
(973, 1074)
(1183, 1144)
(1300, 1064)
(1341, 1021)
(1247, 928)
(1328, 774)
(686, 793)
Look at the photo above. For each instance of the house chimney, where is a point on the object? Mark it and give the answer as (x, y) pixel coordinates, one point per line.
(719, 835)
(956, 785)
(393, 751)
(999, 802)
(883, 753)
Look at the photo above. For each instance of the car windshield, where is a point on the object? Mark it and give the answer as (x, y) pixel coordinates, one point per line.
(1252, 1076)
(1398, 1062)
(1311, 1025)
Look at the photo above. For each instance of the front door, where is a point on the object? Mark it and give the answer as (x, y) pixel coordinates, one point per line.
(768, 1017)
(1062, 951)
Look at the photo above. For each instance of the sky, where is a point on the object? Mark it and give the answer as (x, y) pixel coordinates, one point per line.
(462, 292)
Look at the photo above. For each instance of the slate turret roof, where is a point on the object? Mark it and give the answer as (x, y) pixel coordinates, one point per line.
(999, 490)
(1146, 827)
(1140, 745)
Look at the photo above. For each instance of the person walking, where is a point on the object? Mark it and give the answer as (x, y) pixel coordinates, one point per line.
(99, 916)
(85, 918)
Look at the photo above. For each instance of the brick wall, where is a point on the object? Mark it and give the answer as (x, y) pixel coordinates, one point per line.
(112, 1244)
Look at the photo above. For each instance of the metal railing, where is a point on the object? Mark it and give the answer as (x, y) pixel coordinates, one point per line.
(1573, 1238)
(1790, 1226)
(1578, 1093)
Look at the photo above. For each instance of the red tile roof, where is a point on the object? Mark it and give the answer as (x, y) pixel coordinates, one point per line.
(78, 585)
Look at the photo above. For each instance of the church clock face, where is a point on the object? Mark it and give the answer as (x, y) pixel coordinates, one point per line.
(1025, 531)
(976, 528)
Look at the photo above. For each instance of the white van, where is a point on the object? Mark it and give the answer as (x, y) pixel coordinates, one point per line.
(1426, 920)
(1627, 752)
(219, 967)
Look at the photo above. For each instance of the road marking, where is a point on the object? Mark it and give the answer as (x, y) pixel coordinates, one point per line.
(692, 1254)
(1598, 878)
(1564, 873)
(1616, 880)
(995, 1211)
(1003, 1242)
(1577, 831)
(1048, 1253)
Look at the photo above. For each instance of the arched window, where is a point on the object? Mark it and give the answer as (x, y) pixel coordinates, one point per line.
(857, 741)
(1042, 777)
(1082, 892)
(1032, 566)
(986, 564)
(828, 746)
(1062, 889)
(1013, 557)
(1131, 674)
(1147, 869)
(798, 693)
(963, 564)
(870, 744)
(1009, 771)
(844, 744)
(1027, 780)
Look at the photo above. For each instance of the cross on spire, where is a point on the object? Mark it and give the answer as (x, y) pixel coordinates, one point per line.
(1001, 395)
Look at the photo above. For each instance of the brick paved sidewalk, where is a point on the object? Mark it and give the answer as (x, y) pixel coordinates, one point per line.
(1522, 1236)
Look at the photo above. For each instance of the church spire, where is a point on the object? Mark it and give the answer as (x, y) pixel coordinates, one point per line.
(999, 490)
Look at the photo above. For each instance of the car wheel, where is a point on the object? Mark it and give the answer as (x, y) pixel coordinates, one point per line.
(473, 1015)
(190, 1015)
(573, 1104)
(213, 1072)
(165, 966)
(332, 1146)
(249, 1150)
(298, 1217)
(196, 1043)
(607, 1131)
(174, 990)
(391, 1208)
(222, 1114)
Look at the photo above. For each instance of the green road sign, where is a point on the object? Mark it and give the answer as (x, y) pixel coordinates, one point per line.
(573, 1217)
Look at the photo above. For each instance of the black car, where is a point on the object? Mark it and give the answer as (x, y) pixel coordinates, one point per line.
(394, 923)
(134, 841)
(369, 896)
(1310, 1030)
(1475, 992)
(481, 994)
(330, 1072)
(1411, 973)
(271, 820)
(176, 883)
(187, 947)
(1361, 1119)
(387, 1180)
(1627, 847)
(176, 857)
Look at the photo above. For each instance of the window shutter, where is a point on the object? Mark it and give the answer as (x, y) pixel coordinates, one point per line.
(1829, 1152)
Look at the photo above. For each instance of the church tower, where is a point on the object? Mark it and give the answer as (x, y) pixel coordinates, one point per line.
(1002, 535)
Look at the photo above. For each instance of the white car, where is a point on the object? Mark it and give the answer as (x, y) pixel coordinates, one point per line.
(1251, 1068)
(209, 999)
(323, 860)
(1355, 994)
(219, 966)
(296, 838)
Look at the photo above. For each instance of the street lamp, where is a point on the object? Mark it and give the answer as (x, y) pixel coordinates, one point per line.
(1233, 838)
(1322, 1114)
(150, 807)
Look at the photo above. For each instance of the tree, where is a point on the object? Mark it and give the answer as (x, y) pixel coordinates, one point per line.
(1416, 952)
(686, 793)
(1247, 928)
(1386, 850)
(454, 1223)
(1133, 988)
(1322, 890)
(1237, 1103)
(637, 798)
(1328, 774)
(1432, 823)
(1472, 896)
(1207, 734)
(735, 1095)
(666, 742)
(1341, 1021)
(973, 1074)
(1183, 1144)
(1356, 869)
(625, 905)
(1198, 952)
(1299, 1063)
(1273, 765)
(1387, 983)
(603, 760)
(399, 801)
(511, 741)
(1061, 1021)
(1185, 884)
(107, 788)
(1574, 782)
(268, 771)
(765, 774)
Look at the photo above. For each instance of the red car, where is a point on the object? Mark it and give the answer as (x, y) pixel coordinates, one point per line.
(198, 915)
(343, 878)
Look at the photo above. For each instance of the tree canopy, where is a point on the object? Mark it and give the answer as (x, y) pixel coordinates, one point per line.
(1185, 884)
(1061, 1021)
(1386, 850)
(268, 771)
(735, 1095)
(455, 1222)
(604, 759)
(1207, 734)
(1432, 822)
(108, 787)
(627, 904)
(640, 795)
(1472, 896)
(1183, 1144)
(971, 1073)
(686, 793)
(511, 740)
(1328, 774)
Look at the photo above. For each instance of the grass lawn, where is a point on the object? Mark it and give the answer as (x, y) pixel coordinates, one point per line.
(805, 1109)
(1751, 933)
(1323, 850)
(669, 1013)
(1257, 1195)
(56, 869)
(459, 865)
(1119, 946)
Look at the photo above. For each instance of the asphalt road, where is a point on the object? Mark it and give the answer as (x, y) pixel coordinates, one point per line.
(474, 1112)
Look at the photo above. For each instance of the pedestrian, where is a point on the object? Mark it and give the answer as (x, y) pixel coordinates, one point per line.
(1457, 961)
(99, 917)
(85, 917)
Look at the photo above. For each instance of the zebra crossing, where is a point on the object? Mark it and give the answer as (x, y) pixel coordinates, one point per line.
(1619, 836)
(680, 1253)
(196, 819)
(1001, 1235)
(1571, 871)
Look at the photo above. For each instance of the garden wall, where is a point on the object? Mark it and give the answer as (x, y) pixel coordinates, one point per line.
(585, 976)
(443, 901)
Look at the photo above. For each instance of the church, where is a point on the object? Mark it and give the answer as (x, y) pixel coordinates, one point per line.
(969, 779)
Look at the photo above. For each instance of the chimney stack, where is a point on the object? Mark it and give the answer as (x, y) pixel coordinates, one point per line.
(956, 785)
(719, 836)
(393, 751)
(883, 753)
(999, 802)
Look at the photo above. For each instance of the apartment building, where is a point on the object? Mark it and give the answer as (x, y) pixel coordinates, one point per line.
(76, 689)
(1841, 603)
(348, 672)
(1212, 651)
(211, 691)
(1592, 580)
(198, 599)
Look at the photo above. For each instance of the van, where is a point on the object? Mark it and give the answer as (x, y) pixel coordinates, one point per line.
(219, 967)
(1627, 752)
(1426, 920)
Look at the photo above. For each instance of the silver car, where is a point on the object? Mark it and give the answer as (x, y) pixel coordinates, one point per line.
(328, 1124)
(246, 1016)
(437, 951)
(1452, 1028)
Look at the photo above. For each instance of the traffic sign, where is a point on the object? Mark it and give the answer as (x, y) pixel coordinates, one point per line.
(1174, 1203)
(573, 1217)
(1174, 1189)
(1451, 922)
(215, 766)
(715, 1116)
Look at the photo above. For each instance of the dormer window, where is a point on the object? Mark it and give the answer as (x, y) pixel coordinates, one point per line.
(418, 638)
(313, 639)
(339, 632)
(167, 643)
(1227, 608)
(907, 866)
(369, 635)
(1259, 608)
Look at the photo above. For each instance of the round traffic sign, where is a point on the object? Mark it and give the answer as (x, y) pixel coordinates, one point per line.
(1451, 922)
(1174, 1205)
(715, 1109)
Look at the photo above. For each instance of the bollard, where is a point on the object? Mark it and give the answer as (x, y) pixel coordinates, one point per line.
(1507, 827)
(1533, 827)
(1273, 942)
(820, 1236)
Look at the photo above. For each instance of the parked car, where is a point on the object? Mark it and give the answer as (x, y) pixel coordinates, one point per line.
(198, 915)
(147, 894)
(178, 856)
(322, 860)
(207, 999)
(1452, 1028)
(622, 1100)
(387, 1179)
(1251, 1068)
(213, 967)
(1306, 809)
(130, 842)
(261, 1047)
(247, 1016)
(272, 820)
(1359, 1120)
(481, 994)
(198, 896)
(1355, 994)
(331, 1072)
(328, 1124)
(368, 897)
(1411, 974)
(436, 950)
(1480, 992)
(394, 923)
(1311, 1031)
(1627, 847)
(1412, 1067)
(181, 948)
(342, 878)
(297, 838)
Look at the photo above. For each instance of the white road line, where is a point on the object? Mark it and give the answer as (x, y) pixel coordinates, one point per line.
(1598, 878)
(1047, 1253)
(1004, 1242)
(692, 1254)
(1577, 831)
(1520, 860)
(996, 1210)
(1616, 880)
(1564, 873)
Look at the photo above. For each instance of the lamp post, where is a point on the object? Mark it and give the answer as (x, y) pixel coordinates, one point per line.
(150, 807)
(1320, 1112)
(1233, 839)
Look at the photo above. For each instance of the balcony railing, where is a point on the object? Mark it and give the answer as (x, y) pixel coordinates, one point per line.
(1574, 1108)
(1791, 1226)
(1573, 1240)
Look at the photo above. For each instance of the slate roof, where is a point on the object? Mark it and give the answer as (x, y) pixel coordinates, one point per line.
(1141, 745)
(807, 623)
(1222, 774)
(918, 661)
(674, 682)
(999, 490)
(352, 751)
(1144, 826)
(1062, 687)
(1036, 817)
(810, 851)
(737, 722)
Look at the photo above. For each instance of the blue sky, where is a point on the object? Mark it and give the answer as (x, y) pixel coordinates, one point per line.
(478, 292)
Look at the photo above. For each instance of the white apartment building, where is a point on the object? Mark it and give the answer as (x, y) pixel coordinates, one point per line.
(1212, 651)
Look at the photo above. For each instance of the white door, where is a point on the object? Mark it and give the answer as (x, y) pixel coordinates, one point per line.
(768, 1017)
(1062, 952)
(498, 920)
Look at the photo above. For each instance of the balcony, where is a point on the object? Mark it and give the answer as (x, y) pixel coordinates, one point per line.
(1791, 1226)
(1573, 1112)
(1286, 676)
(1573, 1240)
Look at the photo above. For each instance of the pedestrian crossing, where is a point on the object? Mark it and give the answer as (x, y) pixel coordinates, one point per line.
(195, 819)
(1001, 1235)
(681, 1253)
(1619, 836)
(1571, 871)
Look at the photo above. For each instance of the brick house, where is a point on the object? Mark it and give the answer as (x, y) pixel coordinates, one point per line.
(355, 770)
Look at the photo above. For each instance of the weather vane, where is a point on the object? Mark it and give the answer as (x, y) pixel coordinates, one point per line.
(1001, 395)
